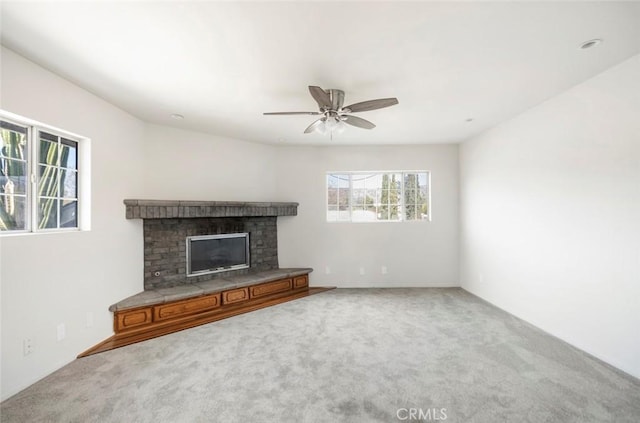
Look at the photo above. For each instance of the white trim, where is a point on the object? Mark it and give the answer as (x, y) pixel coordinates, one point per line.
(23, 121)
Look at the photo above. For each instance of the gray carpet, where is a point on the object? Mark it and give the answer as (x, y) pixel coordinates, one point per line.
(366, 355)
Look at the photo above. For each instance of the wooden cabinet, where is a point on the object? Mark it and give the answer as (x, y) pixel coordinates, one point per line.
(300, 281)
(132, 318)
(181, 313)
(149, 320)
(186, 307)
(270, 288)
(235, 295)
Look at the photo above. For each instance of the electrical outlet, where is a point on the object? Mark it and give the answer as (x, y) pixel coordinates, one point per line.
(62, 331)
(362, 270)
(327, 270)
(27, 346)
(383, 270)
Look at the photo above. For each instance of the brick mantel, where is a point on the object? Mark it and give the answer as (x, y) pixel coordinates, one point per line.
(168, 209)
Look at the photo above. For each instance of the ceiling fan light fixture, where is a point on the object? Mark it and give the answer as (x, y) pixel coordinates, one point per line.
(322, 127)
(331, 124)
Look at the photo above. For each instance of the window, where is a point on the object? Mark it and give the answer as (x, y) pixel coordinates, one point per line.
(377, 196)
(39, 177)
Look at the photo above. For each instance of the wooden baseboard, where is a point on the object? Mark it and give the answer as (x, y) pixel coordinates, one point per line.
(222, 312)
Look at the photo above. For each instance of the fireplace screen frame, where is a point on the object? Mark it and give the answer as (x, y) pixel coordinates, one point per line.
(246, 265)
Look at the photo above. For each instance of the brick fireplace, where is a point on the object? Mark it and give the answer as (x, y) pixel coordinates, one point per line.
(167, 224)
(170, 301)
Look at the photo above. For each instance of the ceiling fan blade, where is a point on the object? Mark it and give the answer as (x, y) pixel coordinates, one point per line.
(292, 113)
(321, 97)
(365, 106)
(311, 128)
(359, 122)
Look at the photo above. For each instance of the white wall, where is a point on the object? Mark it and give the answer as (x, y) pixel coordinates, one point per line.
(550, 218)
(187, 165)
(549, 225)
(415, 253)
(58, 278)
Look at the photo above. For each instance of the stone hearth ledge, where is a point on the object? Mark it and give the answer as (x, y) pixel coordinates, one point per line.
(175, 209)
(181, 292)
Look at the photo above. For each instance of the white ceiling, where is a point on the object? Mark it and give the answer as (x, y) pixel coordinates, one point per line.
(221, 64)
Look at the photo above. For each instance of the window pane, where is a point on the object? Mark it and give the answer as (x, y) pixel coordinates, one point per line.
(48, 152)
(343, 196)
(13, 127)
(332, 196)
(344, 215)
(410, 196)
(415, 186)
(389, 197)
(13, 213)
(358, 181)
(47, 213)
(359, 196)
(422, 196)
(69, 214)
(69, 183)
(13, 142)
(363, 214)
(423, 208)
(337, 194)
(338, 181)
(382, 196)
(49, 137)
(69, 154)
(13, 179)
(410, 212)
(332, 213)
(48, 181)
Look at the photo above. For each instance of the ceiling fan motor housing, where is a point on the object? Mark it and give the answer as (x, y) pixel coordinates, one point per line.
(337, 99)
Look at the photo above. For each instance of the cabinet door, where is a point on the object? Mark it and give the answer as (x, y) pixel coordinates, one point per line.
(300, 281)
(186, 307)
(132, 318)
(235, 295)
(271, 288)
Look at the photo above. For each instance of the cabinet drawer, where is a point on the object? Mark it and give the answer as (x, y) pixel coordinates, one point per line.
(132, 318)
(270, 288)
(300, 281)
(235, 295)
(186, 307)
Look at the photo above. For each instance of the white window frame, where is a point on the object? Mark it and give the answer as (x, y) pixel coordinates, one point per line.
(402, 196)
(83, 170)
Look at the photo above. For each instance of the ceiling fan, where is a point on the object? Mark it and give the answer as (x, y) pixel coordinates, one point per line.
(334, 114)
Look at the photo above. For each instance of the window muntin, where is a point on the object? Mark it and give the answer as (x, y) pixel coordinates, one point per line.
(39, 178)
(377, 196)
